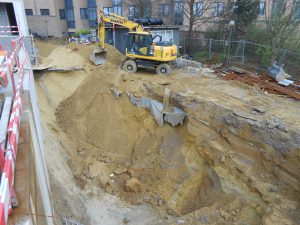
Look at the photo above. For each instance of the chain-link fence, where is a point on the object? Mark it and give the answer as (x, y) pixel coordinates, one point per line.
(241, 53)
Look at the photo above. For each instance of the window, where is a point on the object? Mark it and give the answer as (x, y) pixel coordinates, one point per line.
(71, 24)
(117, 9)
(297, 9)
(218, 9)
(262, 8)
(163, 10)
(278, 7)
(178, 12)
(133, 12)
(198, 8)
(28, 12)
(69, 3)
(147, 7)
(275, 7)
(117, 6)
(107, 10)
(70, 18)
(62, 14)
(70, 15)
(116, 2)
(92, 14)
(166, 35)
(45, 12)
(83, 13)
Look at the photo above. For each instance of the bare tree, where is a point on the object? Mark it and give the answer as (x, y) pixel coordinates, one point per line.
(282, 24)
(140, 8)
(200, 14)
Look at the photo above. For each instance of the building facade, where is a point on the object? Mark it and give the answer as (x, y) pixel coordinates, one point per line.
(57, 17)
(208, 13)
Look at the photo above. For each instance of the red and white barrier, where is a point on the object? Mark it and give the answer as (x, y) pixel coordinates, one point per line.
(8, 26)
(9, 29)
(7, 193)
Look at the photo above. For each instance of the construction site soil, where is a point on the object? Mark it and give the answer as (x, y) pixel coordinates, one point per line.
(235, 160)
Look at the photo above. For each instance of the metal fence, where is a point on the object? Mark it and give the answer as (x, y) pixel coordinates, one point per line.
(5, 42)
(242, 53)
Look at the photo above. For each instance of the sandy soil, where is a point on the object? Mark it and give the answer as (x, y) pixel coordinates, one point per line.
(216, 171)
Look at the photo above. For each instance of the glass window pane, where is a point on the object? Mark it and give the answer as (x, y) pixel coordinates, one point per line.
(28, 12)
(45, 12)
(70, 14)
(262, 8)
(69, 3)
(62, 14)
(71, 24)
(275, 7)
(117, 9)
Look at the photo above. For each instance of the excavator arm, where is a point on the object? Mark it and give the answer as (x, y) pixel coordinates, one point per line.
(114, 19)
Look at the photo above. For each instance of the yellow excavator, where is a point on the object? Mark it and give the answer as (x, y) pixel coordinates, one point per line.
(141, 50)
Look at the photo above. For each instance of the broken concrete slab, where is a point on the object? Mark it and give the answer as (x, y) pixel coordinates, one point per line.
(175, 116)
(56, 69)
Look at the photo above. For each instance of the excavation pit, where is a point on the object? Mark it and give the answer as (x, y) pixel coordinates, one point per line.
(225, 165)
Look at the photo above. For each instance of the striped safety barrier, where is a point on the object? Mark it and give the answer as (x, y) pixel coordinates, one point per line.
(8, 198)
(7, 69)
(8, 26)
(9, 29)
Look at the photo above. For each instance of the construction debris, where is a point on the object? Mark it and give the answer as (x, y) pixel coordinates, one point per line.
(69, 221)
(181, 62)
(56, 69)
(174, 117)
(264, 83)
(133, 185)
(116, 92)
(278, 73)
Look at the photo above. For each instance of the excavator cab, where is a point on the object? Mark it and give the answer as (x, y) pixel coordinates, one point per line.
(139, 43)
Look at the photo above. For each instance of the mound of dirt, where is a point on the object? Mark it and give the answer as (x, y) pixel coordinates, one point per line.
(112, 56)
(62, 57)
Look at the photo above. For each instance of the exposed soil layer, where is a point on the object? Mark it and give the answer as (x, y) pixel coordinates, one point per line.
(234, 161)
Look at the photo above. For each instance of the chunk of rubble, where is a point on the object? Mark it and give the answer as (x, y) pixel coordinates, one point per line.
(174, 117)
(186, 62)
(133, 185)
(116, 93)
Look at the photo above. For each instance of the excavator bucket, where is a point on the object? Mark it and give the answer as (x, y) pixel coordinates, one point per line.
(98, 56)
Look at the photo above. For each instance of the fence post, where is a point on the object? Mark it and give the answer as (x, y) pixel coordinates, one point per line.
(184, 45)
(243, 57)
(209, 50)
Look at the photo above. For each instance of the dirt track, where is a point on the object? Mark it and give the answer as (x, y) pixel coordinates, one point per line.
(228, 164)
